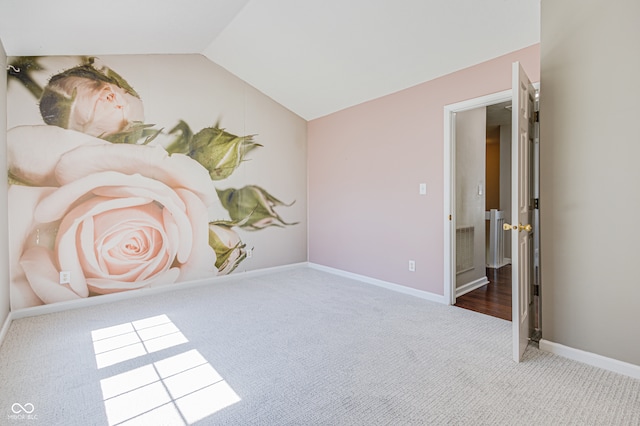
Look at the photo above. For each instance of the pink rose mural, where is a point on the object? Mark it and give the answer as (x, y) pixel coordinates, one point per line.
(115, 203)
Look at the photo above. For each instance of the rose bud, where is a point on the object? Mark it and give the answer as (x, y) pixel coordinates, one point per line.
(96, 102)
(252, 207)
(230, 251)
(220, 152)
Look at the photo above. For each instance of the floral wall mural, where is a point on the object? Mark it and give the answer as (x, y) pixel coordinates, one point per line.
(104, 200)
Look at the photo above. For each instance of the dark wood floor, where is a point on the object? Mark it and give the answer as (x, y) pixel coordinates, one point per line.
(491, 299)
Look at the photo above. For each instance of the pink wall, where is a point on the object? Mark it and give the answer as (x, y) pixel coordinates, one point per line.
(365, 164)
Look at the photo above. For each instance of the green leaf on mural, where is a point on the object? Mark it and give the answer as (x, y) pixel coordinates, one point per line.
(182, 142)
(133, 134)
(253, 206)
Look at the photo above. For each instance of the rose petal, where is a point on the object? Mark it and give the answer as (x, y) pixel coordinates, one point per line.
(172, 203)
(34, 151)
(21, 295)
(202, 262)
(70, 255)
(126, 225)
(23, 234)
(39, 268)
(176, 171)
(143, 223)
(22, 201)
(180, 223)
(56, 205)
(100, 214)
(152, 189)
(173, 232)
(79, 222)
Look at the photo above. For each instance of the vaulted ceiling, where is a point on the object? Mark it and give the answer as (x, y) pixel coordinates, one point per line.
(314, 57)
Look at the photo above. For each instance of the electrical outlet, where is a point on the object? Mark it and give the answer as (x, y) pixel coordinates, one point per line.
(423, 189)
(412, 265)
(250, 252)
(65, 277)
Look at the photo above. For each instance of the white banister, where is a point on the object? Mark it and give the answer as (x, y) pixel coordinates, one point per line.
(495, 254)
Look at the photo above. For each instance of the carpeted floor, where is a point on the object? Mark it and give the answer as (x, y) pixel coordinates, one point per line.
(296, 347)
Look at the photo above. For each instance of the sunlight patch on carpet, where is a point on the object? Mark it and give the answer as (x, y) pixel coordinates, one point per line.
(181, 389)
(123, 342)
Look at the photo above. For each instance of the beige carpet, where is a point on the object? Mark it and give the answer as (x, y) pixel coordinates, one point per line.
(297, 347)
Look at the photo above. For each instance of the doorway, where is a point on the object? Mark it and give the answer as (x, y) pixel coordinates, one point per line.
(481, 160)
(452, 265)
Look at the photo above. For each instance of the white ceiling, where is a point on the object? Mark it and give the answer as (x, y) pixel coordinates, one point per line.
(314, 57)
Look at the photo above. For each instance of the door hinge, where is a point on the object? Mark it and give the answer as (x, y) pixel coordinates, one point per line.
(536, 290)
(536, 203)
(536, 116)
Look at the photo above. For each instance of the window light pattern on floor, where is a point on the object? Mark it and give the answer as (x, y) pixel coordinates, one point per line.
(181, 389)
(130, 340)
(178, 390)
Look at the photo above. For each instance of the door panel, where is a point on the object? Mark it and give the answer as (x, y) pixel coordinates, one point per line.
(523, 113)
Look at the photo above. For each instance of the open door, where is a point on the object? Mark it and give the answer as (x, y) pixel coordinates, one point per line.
(522, 148)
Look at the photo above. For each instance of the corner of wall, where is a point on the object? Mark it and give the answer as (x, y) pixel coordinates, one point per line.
(4, 227)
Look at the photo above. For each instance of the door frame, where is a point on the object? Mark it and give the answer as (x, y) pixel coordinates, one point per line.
(450, 181)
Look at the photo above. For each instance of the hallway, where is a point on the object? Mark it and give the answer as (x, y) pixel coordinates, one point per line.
(491, 299)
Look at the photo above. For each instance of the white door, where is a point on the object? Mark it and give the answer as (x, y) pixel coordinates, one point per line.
(522, 145)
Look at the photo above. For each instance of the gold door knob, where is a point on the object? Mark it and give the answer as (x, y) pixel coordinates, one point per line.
(526, 227)
(520, 227)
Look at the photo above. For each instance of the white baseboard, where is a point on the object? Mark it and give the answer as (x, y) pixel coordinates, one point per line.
(5, 327)
(385, 284)
(470, 286)
(610, 364)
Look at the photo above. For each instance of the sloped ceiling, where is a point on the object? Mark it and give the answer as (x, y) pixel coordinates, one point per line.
(314, 57)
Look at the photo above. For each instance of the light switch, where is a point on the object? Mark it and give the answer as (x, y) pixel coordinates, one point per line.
(423, 189)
